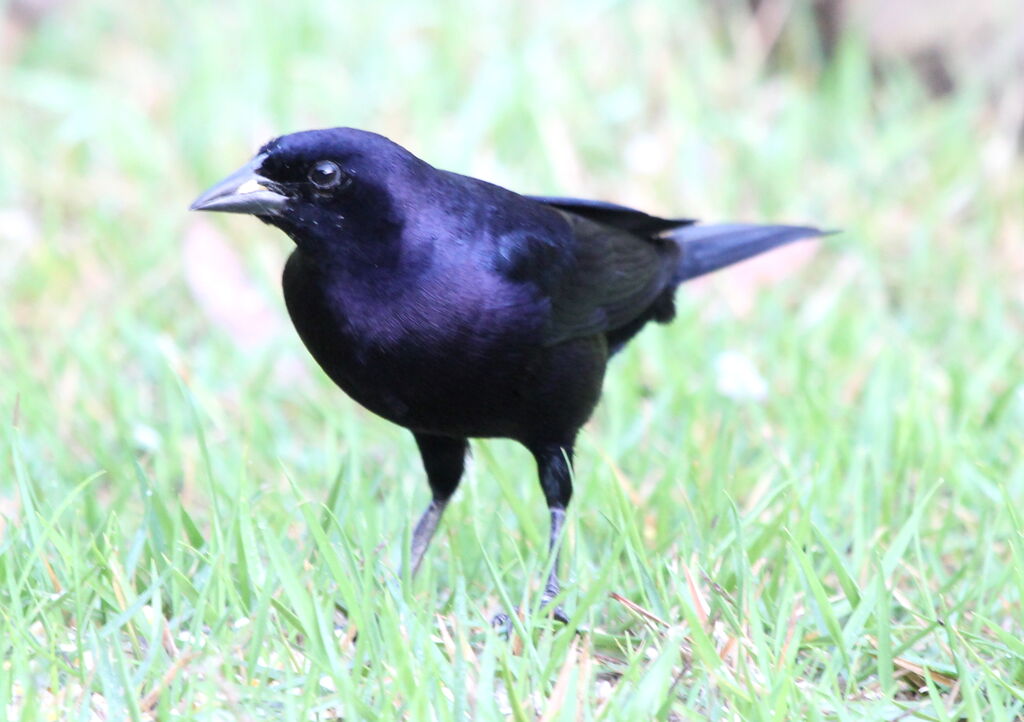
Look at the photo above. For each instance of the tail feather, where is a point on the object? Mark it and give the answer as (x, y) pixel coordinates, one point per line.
(707, 248)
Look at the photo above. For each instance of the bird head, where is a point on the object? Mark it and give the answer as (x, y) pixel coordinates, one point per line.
(321, 187)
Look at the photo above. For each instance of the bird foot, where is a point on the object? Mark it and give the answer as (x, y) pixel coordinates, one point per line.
(503, 622)
(557, 613)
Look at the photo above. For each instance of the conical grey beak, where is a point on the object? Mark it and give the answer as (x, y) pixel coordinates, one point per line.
(244, 191)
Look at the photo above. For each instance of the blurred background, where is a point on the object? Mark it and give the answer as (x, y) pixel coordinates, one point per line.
(900, 122)
(145, 350)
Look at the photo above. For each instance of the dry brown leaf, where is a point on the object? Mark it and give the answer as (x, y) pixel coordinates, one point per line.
(153, 696)
(700, 605)
(557, 698)
(637, 609)
(914, 668)
(446, 637)
(583, 689)
(790, 633)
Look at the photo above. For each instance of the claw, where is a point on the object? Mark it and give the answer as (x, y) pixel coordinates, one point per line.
(559, 615)
(502, 622)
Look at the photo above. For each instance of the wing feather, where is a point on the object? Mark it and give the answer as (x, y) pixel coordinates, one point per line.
(612, 214)
(614, 278)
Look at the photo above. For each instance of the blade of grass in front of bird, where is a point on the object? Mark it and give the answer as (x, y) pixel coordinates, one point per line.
(829, 623)
(204, 453)
(883, 630)
(519, 712)
(259, 623)
(113, 690)
(897, 549)
(965, 678)
(298, 612)
(934, 696)
(993, 674)
(1015, 538)
(704, 651)
(838, 567)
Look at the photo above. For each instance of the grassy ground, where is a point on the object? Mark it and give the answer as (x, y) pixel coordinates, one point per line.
(195, 522)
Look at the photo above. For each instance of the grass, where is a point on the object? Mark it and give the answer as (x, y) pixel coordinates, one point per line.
(196, 522)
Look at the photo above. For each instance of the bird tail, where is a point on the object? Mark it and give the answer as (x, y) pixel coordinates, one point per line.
(707, 248)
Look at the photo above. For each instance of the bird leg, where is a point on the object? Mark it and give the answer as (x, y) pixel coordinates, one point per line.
(554, 467)
(552, 587)
(424, 532)
(443, 459)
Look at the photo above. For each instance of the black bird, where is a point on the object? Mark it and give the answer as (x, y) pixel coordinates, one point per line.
(457, 308)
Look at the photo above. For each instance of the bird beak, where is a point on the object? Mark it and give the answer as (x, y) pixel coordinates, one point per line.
(244, 191)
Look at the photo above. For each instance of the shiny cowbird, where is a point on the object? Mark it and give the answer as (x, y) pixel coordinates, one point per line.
(459, 309)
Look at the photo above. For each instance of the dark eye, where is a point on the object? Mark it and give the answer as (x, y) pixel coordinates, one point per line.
(326, 175)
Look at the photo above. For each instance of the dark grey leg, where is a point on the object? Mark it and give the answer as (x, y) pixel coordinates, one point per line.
(443, 459)
(552, 588)
(424, 532)
(554, 467)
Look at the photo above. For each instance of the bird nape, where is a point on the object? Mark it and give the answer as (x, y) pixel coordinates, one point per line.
(459, 309)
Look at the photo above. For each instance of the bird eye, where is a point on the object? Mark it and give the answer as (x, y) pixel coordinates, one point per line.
(326, 175)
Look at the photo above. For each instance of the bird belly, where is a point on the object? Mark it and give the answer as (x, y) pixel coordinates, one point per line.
(453, 379)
